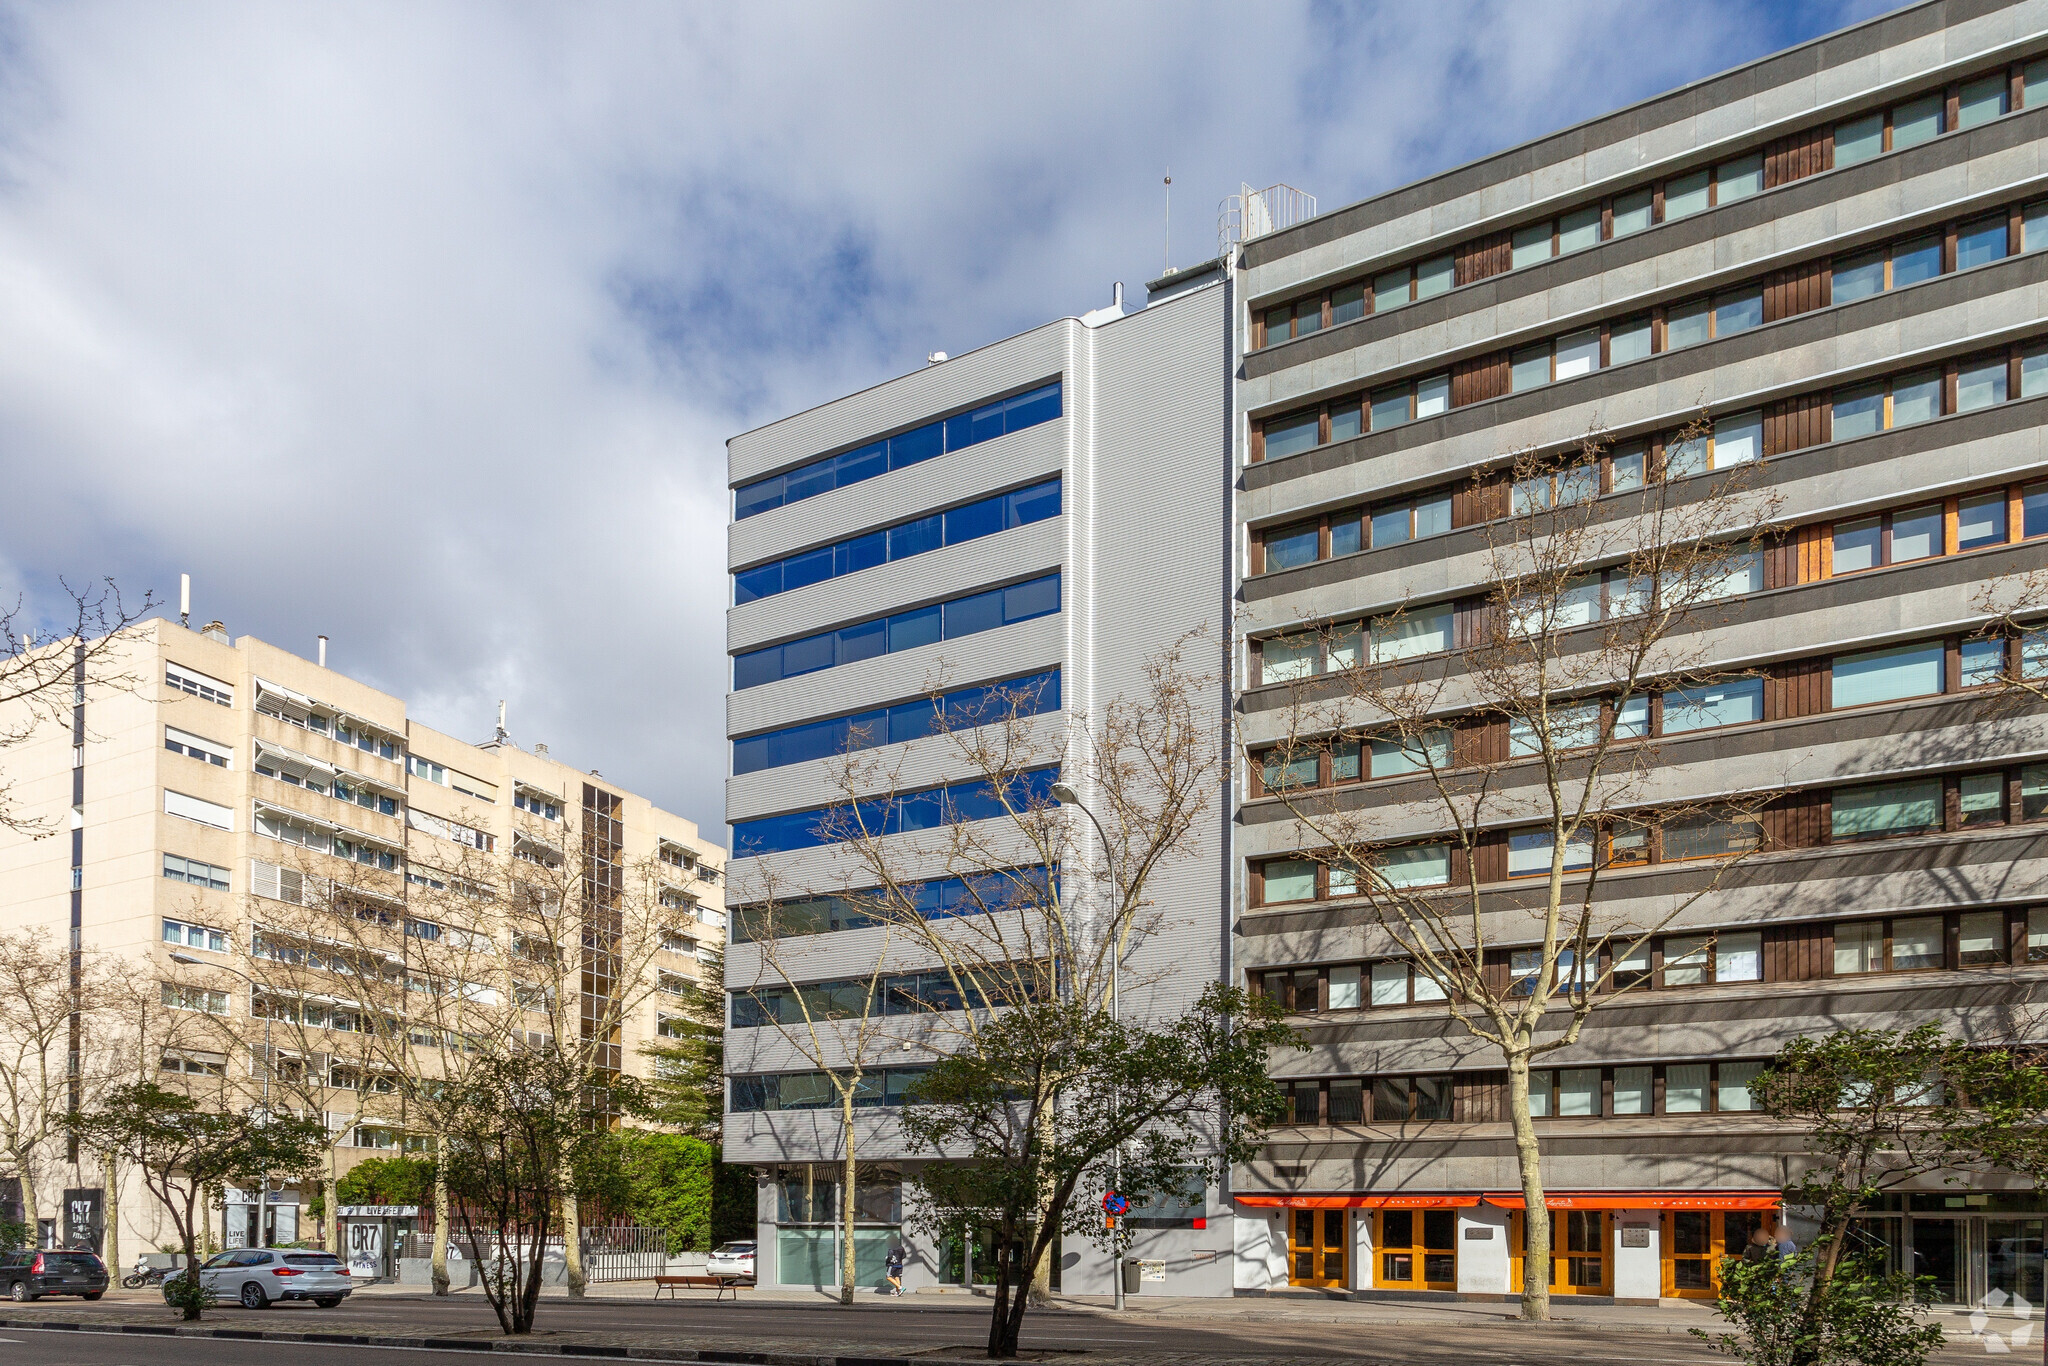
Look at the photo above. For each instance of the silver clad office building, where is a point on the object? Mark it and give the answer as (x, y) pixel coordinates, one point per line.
(1053, 508)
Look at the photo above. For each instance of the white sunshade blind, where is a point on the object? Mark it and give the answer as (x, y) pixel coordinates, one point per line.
(192, 808)
(212, 748)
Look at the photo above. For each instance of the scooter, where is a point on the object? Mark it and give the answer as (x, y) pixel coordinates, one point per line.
(145, 1274)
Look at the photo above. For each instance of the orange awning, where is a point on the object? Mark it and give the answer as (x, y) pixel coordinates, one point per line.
(1357, 1201)
(1644, 1200)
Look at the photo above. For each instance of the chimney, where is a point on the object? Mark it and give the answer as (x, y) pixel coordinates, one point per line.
(540, 751)
(323, 652)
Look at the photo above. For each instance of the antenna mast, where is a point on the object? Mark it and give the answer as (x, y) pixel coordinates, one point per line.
(1169, 220)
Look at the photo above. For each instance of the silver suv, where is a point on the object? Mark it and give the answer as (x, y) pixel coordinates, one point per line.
(258, 1277)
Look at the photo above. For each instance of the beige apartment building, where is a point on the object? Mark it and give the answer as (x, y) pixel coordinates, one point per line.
(197, 805)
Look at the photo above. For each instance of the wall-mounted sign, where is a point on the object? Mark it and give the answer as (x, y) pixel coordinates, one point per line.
(380, 1211)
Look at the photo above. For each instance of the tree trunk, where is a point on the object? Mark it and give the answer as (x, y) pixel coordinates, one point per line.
(1536, 1245)
(1040, 1293)
(110, 1244)
(572, 1245)
(330, 1194)
(440, 1264)
(1834, 1228)
(1009, 1314)
(30, 1214)
(847, 1199)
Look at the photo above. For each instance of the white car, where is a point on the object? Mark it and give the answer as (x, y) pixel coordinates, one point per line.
(257, 1277)
(734, 1259)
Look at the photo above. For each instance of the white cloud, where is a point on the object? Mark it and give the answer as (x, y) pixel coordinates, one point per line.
(423, 326)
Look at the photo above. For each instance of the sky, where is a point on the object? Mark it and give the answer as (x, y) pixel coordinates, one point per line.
(423, 325)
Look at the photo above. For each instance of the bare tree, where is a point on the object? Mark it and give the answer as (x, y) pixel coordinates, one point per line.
(43, 668)
(1003, 891)
(839, 1028)
(2011, 648)
(1525, 729)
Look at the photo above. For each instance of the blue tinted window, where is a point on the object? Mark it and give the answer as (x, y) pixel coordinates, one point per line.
(750, 1094)
(911, 811)
(908, 630)
(750, 584)
(906, 448)
(752, 754)
(1035, 598)
(756, 667)
(914, 447)
(982, 518)
(974, 521)
(865, 641)
(911, 720)
(1034, 504)
(1915, 261)
(862, 552)
(865, 463)
(1980, 243)
(803, 656)
(1030, 409)
(904, 631)
(968, 616)
(915, 538)
(813, 566)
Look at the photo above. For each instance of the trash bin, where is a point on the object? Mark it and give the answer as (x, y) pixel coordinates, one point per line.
(1133, 1269)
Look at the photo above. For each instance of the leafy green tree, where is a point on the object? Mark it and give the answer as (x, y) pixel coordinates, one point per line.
(183, 1152)
(733, 1209)
(668, 1185)
(1864, 1315)
(1876, 1107)
(686, 1088)
(389, 1181)
(521, 1131)
(1057, 1095)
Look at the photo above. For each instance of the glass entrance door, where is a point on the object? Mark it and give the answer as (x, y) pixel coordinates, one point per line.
(2012, 1260)
(1417, 1249)
(1580, 1263)
(1939, 1249)
(1316, 1240)
(1695, 1241)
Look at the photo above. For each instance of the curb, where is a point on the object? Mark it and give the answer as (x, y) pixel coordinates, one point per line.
(507, 1346)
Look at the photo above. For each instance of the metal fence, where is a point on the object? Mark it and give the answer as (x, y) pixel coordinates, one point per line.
(612, 1253)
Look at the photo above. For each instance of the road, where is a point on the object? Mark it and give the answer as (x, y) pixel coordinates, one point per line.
(895, 1329)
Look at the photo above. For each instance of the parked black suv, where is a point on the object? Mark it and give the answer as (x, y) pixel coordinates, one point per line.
(32, 1275)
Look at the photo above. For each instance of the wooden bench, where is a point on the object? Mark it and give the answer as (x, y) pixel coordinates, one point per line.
(719, 1283)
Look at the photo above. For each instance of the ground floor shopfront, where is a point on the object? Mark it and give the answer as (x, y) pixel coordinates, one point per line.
(1627, 1245)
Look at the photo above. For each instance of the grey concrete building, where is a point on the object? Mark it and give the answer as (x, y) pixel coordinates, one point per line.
(1837, 249)
(1054, 507)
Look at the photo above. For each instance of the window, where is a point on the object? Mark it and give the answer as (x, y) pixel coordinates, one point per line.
(1397, 1100)
(1294, 546)
(1687, 194)
(1530, 245)
(1980, 521)
(957, 710)
(1427, 514)
(1685, 1087)
(1736, 439)
(193, 809)
(195, 936)
(903, 631)
(930, 809)
(1980, 937)
(1297, 319)
(1289, 880)
(1891, 538)
(1710, 835)
(1735, 1080)
(179, 997)
(540, 806)
(1411, 754)
(1555, 488)
(1397, 287)
(1529, 367)
(1913, 943)
(1887, 675)
(1293, 434)
(1632, 211)
(1980, 386)
(206, 751)
(1529, 852)
(1878, 810)
(1579, 229)
(1732, 703)
(1981, 242)
(1415, 865)
(1983, 662)
(990, 420)
(195, 873)
(1917, 121)
(1405, 635)
(202, 686)
(1426, 397)
(1633, 1090)
(812, 1090)
(426, 769)
(1982, 100)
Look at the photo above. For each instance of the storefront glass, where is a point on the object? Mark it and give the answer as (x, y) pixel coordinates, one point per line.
(1316, 1241)
(1973, 1248)
(1417, 1249)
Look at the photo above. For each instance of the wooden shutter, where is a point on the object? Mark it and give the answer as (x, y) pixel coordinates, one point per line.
(1479, 742)
(1796, 821)
(1812, 544)
(1491, 855)
(1478, 500)
(1798, 423)
(1781, 562)
(1798, 156)
(1797, 289)
(1796, 689)
(1795, 953)
(1472, 624)
(1479, 1097)
(1484, 256)
(1478, 379)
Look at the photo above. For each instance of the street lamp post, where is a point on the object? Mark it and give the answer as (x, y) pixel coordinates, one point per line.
(263, 1191)
(1064, 794)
